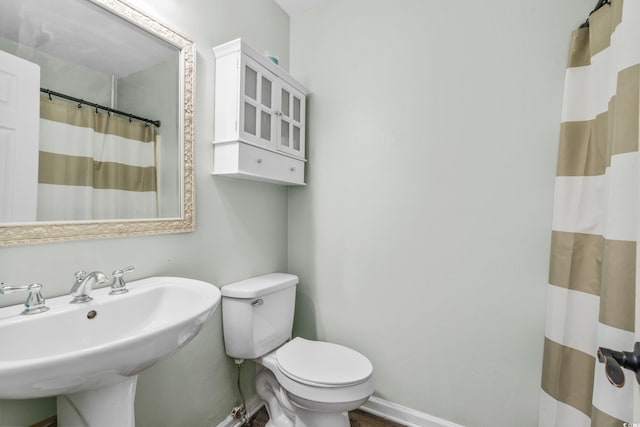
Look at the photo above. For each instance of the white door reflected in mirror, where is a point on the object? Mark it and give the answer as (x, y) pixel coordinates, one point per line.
(19, 111)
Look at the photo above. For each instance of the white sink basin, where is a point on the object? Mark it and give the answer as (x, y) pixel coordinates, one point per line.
(66, 351)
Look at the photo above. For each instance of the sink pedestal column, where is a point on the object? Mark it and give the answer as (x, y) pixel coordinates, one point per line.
(104, 407)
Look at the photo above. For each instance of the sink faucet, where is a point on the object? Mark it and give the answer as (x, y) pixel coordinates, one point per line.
(84, 284)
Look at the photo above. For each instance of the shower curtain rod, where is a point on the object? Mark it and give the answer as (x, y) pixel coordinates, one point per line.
(598, 6)
(96, 106)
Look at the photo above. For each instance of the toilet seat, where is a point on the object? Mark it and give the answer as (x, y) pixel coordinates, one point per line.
(322, 364)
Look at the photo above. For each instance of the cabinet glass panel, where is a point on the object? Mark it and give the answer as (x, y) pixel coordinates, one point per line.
(284, 133)
(266, 92)
(265, 126)
(296, 138)
(285, 103)
(249, 118)
(251, 83)
(296, 109)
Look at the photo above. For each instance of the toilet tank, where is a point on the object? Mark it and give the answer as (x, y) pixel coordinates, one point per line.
(257, 314)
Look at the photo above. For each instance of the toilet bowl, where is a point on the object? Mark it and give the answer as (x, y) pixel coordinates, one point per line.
(304, 383)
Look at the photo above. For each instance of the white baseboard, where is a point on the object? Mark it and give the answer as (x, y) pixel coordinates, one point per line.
(376, 406)
(253, 406)
(403, 415)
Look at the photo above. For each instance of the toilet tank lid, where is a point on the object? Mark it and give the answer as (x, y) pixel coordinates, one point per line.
(259, 286)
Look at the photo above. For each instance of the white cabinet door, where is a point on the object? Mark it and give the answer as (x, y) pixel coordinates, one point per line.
(259, 106)
(291, 116)
(19, 133)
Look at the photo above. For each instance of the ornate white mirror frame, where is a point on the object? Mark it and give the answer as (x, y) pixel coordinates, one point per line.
(42, 232)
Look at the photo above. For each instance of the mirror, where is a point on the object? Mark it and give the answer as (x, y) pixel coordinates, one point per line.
(96, 122)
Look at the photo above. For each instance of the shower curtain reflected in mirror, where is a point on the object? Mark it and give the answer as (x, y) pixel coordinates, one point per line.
(593, 280)
(94, 165)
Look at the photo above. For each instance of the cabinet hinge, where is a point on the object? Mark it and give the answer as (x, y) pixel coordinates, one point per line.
(236, 126)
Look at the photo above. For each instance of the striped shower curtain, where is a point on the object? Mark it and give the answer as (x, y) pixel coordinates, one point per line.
(94, 166)
(592, 297)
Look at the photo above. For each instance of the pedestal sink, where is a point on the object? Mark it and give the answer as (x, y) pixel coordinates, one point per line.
(89, 354)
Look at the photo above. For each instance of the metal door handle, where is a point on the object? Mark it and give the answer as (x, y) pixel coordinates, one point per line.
(614, 361)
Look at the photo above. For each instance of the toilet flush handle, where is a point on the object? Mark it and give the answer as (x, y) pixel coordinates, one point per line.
(257, 302)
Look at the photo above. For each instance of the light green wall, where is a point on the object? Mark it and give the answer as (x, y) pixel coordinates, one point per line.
(241, 231)
(422, 238)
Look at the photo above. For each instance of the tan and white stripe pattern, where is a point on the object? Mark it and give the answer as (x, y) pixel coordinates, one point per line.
(592, 296)
(93, 165)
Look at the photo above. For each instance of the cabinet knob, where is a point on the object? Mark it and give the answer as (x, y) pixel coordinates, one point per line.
(292, 169)
(259, 160)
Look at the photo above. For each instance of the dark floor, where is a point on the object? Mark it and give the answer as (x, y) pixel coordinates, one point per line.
(358, 419)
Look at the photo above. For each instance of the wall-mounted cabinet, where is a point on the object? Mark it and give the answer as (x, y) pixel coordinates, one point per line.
(259, 118)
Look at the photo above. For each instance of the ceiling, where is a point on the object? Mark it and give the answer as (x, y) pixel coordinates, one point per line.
(83, 33)
(293, 7)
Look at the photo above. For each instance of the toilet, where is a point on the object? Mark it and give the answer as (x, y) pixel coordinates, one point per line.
(303, 383)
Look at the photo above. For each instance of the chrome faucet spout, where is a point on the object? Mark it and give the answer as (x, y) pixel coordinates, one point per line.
(84, 284)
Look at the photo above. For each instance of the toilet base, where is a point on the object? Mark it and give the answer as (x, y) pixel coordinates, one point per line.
(306, 418)
(283, 412)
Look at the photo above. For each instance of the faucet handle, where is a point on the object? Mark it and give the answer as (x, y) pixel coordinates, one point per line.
(35, 300)
(118, 285)
(80, 275)
(119, 273)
